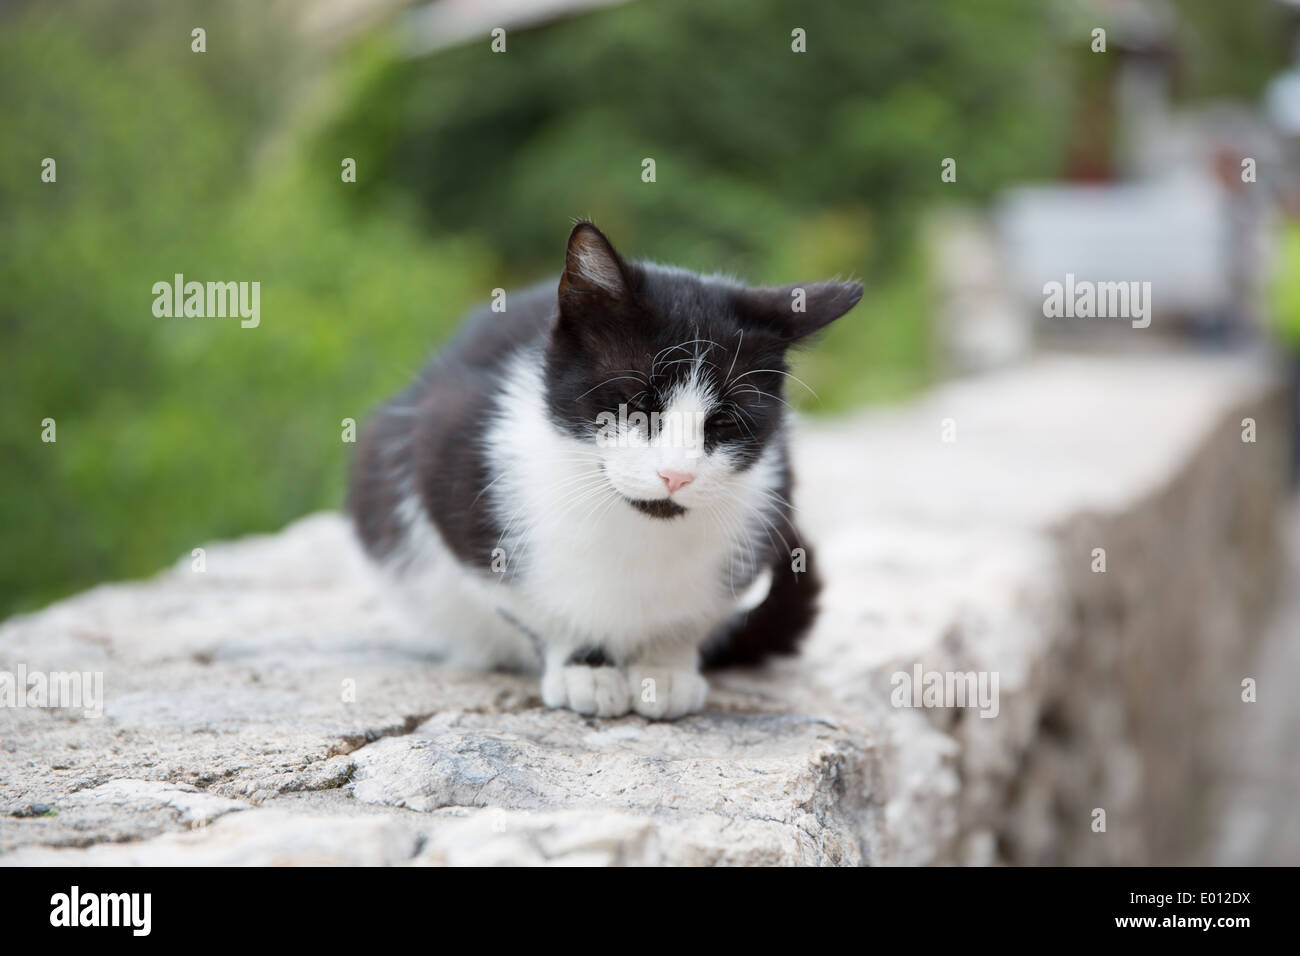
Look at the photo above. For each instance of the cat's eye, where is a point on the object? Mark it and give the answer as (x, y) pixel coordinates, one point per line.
(721, 421)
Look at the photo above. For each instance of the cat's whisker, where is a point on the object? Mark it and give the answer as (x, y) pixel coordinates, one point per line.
(772, 528)
(731, 531)
(735, 355)
(782, 505)
(654, 363)
(741, 416)
(616, 378)
(758, 391)
(778, 371)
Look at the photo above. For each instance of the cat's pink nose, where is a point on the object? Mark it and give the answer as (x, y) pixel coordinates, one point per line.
(675, 479)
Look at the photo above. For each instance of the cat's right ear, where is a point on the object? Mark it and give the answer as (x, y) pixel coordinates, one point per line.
(793, 312)
(591, 267)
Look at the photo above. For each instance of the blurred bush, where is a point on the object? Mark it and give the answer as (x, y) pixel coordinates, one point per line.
(225, 166)
(1286, 287)
(174, 431)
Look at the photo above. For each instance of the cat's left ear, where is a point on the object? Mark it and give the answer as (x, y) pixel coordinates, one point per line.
(791, 312)
(591, 266)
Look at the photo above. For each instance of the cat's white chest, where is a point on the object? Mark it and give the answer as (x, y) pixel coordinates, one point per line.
(622, 576)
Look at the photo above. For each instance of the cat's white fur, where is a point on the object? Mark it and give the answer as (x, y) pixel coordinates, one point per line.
(585, 567)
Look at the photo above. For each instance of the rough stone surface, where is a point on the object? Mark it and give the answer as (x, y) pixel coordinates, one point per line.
(228, 736)
(1254, 796)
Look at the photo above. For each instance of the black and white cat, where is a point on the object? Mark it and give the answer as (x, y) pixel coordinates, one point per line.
(597, 482)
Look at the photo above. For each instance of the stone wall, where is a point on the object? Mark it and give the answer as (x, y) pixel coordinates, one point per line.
(226, 737)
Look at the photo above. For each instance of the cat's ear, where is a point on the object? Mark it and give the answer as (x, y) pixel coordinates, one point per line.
(791, 312)
(591, 266)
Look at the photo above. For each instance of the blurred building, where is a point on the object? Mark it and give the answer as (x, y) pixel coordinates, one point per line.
(1181, 198)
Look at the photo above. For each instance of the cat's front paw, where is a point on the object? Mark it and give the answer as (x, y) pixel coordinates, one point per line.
(599, 691)
(666, 693)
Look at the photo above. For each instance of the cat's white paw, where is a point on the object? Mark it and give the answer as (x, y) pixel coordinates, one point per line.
(666, 693)
(599, 691)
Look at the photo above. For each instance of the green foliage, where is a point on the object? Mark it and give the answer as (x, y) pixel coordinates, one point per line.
(751, 140)
(1286, 287)
(171, 432)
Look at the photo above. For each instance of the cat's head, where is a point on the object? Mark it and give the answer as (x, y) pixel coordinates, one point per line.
(676, 380)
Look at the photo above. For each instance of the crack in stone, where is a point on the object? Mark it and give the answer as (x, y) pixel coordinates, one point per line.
(351, 743)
